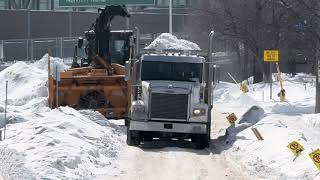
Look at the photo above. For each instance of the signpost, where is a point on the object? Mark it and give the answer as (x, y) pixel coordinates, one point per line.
(271, 56)
(93, 3)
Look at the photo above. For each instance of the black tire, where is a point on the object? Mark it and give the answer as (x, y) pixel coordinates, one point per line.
(201, 141)
(126, 122)
(133, 138)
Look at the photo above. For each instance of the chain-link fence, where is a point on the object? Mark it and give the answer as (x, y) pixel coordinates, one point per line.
(34, 49)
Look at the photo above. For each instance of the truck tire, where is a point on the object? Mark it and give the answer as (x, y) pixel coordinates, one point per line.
(133, 138)
(201, 141)
(126, 122)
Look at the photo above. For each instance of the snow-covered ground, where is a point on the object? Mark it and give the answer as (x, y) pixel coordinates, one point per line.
(52, 144)
(67, 144)
(282, 123)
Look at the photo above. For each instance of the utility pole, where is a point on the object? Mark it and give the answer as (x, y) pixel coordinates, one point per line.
(317, 65)
(170, 16)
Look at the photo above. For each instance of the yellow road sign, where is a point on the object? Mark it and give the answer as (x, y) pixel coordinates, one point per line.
(271, 56)
(295, 147)
(315, 157)
(232, 118)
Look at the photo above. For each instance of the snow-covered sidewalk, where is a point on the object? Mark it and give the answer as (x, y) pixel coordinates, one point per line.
(282, 123)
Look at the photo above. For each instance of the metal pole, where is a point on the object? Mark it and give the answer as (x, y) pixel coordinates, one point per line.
(270, 80)
(209, 84)
(70, 23)
(27, 49)
(57, 87)
(137, 49)
(2, 51)
(31, 49)
(5, 112)
(170, 16)
(61, 48)
(127, 23)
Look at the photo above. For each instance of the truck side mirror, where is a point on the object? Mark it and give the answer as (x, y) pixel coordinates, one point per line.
(80, 42)
(128, 71)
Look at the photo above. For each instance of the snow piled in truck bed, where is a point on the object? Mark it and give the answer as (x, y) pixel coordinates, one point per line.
(281, 124)
(169, 41)
(52, 144)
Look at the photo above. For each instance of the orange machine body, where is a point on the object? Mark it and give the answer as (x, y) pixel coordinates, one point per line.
(88, 88)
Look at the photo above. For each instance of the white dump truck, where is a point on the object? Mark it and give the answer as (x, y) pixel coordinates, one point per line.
(171, 97)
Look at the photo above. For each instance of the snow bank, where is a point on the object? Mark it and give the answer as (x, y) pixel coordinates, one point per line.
(64, 144)
(11, 166)
(169, 41)
(27, 81)
(281, 124)
(52, 144)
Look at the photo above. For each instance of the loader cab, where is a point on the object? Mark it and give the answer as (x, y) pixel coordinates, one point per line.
(120, 46)
(119, 43)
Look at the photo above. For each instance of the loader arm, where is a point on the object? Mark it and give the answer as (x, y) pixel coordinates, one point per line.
(103, 29)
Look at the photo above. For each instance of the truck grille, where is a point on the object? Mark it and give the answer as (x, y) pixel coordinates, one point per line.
(169, 106)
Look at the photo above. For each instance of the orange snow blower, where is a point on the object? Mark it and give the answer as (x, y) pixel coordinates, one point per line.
(98, 82)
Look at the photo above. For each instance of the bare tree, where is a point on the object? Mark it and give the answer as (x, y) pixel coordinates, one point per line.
(250, 27)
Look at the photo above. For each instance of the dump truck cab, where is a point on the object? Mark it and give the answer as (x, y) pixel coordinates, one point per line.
(171, 98)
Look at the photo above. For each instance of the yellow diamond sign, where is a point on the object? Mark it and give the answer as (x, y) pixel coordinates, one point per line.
(315, 157)
(271, 56)
(232, 118)
(295, 147)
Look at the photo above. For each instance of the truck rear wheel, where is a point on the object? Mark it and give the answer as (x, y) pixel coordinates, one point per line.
(133, 138)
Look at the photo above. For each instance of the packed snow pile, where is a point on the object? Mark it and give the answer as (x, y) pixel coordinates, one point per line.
(52, 144)
(169, 41)
(27, 81)
(282, 123)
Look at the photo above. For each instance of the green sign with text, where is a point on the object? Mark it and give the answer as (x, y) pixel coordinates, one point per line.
(89, 3)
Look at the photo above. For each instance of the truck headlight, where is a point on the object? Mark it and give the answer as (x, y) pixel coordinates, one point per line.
(199, 111)
(138, 106)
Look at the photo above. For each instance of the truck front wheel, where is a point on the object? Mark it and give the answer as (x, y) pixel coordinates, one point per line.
(133, 138)
(201, 141)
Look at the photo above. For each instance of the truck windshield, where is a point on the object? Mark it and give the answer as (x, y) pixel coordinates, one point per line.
(155, 70)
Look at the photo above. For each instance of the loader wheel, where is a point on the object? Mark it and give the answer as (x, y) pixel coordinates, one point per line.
(201, 141)
(133, 138)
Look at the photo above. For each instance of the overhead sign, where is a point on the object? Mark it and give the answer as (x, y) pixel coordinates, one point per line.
(295, 147)
(315, 157)
(90, 3)
(271, 56)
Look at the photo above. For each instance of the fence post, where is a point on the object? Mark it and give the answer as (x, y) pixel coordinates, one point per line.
(31, 49)
(1, 50)
(27, 50)
(57, 47)
(61, 47)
